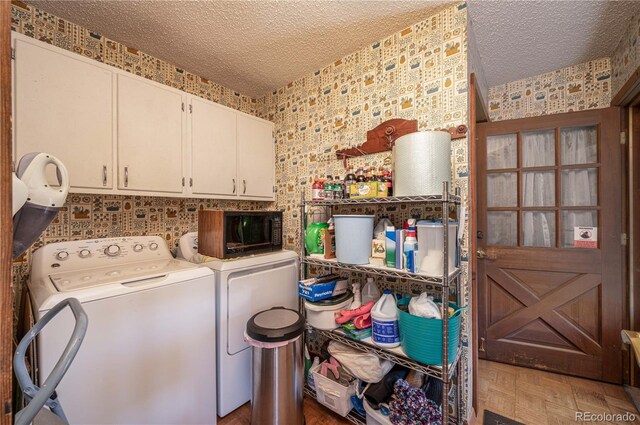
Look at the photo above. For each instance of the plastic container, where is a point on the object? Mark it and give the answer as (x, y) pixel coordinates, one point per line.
(375, 417)
(370, 291)
(314, 238)
(353, 238)
(384, 317)
(421, 338)
(321, 314)
(332, 394)
(410, 248)
(431, 245)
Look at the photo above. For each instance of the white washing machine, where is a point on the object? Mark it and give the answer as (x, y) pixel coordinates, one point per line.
(149, 353)
(244, 287)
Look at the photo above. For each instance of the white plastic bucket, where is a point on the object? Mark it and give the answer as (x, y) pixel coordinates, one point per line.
(431, 245)
(324, 317)
(353, 238)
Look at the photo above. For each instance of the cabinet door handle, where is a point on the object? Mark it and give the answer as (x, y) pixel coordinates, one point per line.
(190, 181)
(126, 176)
(244, 183)
(234, 185)
(104, 175)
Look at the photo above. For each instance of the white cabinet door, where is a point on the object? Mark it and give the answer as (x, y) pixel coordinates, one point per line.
(150, 136)
(256, 157)
(213, 149)
(64, 106)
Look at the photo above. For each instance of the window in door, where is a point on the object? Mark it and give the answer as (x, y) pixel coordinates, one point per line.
(541, 186)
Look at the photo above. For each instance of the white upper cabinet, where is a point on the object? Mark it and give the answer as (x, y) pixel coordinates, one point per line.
(63, 105)
(120, 133)
(256, 157)
(150, 136)
(213, 148)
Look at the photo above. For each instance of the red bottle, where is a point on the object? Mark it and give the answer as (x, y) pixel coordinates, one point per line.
(317, 190)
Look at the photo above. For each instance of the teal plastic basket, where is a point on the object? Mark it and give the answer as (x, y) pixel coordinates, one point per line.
(421, 338)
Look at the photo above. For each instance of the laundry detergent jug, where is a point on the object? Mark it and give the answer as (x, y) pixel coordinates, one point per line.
(314, 237)
(384, 315)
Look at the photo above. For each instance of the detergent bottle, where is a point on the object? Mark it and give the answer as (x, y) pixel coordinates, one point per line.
(384, 315)
(370, 292)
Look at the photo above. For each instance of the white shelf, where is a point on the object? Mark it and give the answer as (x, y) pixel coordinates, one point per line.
(319, 260)
(395, 355)
(454, 199)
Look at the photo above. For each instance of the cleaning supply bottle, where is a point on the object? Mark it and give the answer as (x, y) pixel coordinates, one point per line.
(310, 380)
(390, 246)
(357, 299)
(381, 227)
(384, 315)
(409, 249)
(370, 292)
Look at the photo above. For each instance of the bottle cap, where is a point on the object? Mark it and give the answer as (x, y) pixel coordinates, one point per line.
(387, 291)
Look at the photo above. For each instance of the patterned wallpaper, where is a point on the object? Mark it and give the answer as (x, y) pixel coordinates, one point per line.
(417, 73)
(626, 57)
(574, 88)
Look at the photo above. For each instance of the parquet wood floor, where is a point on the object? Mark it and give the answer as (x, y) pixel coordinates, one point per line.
(536, 397)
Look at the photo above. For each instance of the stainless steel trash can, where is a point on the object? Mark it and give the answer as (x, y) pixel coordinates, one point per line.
(278, 367)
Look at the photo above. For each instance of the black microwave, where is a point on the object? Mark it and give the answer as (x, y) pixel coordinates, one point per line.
(230, 234)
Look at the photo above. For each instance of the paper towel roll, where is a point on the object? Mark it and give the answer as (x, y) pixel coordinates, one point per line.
(422, 161)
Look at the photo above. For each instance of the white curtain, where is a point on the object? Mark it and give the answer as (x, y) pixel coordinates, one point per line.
(502, 189)
(538, 188)
(579, 187)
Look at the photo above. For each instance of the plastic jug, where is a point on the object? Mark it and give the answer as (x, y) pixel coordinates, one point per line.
(381, 227)
(370, 291)
(314, 237)
(384, 315)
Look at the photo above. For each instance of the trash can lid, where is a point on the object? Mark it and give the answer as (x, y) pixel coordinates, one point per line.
(275, 325)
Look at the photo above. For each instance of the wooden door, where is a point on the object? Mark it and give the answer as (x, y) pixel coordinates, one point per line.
(151, 121)
(256, 157)
(213, 149)
(546, 299)
(64, 107)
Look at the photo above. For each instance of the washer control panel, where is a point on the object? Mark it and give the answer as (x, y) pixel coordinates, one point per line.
(75, 255)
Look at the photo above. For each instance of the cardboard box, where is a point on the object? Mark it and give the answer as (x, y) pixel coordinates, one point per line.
(322, 287)
(378, 249)
(329, 243)
(363, 190)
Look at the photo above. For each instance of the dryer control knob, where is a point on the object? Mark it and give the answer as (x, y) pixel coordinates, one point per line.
(112, 250)
(84, 253)
(137, 247)
(153, 246)
(62, 255)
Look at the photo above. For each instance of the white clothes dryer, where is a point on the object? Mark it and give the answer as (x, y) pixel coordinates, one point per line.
(244, 287)
(149, 353)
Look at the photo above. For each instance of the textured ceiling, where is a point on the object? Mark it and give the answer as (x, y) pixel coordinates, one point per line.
(519, 39)
(250, 46)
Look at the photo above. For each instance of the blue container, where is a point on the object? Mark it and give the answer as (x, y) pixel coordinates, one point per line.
(421, 338)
